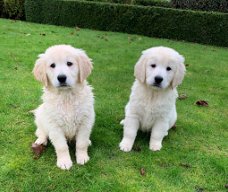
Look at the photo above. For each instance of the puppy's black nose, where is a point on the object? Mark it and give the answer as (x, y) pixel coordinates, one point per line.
(62, 78)
(158, 79)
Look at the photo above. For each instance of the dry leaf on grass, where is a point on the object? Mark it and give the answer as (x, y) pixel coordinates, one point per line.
(182, 96)
(199, 189)
(142, 171)
(202, 103)
(37, 150)
(77, 29)
(185, 165)
(136, 148)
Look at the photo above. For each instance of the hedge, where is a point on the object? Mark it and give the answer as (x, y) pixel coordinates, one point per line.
(153, 3)
(13, 9)
(1, 7)
(193, 26)
(204, 5)
(114, 1)
(138, 2)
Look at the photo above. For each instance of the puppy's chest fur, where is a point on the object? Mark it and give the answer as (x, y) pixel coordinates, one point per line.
(153, 109)
(149, 105)
(67, 111)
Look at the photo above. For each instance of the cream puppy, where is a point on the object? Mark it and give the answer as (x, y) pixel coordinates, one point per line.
(151, 106)
(67, 111)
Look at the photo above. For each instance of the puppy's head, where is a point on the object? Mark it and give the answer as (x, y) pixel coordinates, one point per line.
(160, 67)
(62, 66)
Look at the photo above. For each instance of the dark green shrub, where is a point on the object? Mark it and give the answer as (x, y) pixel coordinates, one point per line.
(13, 9)
(137, 2)
(153, 3)
(201, 27)
(1, 7)
(204, 5)
(114, 1)
(33, 10)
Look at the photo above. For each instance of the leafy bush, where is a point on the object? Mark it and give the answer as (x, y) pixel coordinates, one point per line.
(162, 3)
(1, 7)
(114, 1)
(201, 27)
(13, 9)
(153, 3)
(204, 5)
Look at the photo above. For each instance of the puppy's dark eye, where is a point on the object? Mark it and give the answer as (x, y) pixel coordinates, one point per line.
(153, 65)
(168, 69)
(69, 64)
(52, 65)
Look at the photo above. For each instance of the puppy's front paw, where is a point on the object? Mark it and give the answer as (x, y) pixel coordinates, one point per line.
(64, 163)
(155, 146)
(126, 145)
(82, 158)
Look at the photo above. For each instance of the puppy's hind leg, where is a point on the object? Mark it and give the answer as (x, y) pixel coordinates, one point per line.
(173, 119)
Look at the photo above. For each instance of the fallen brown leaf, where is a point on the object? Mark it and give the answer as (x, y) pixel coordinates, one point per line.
(182, 96)
(185, 165)
(13, 105)
(202, 103)
(37, 150)
(142, 171)
(199, 189)
(136, 148)
(77, 29)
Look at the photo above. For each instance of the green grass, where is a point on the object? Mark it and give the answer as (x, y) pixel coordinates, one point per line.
(194, 157)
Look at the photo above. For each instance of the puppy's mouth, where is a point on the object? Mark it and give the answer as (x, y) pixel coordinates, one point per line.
(157, 85)
(64, 85)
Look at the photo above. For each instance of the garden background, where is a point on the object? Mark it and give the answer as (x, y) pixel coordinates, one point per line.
(194, 155)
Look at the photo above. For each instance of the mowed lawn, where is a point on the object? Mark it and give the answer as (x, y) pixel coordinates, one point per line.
(194, 156)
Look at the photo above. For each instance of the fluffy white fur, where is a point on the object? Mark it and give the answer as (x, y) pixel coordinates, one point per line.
(67, 111)
(151, 106)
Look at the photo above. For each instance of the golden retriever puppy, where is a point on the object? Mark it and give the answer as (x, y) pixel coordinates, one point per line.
(67, 111)
(151, 106)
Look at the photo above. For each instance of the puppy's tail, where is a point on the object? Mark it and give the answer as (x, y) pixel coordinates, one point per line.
(32, 111)
(122, 122)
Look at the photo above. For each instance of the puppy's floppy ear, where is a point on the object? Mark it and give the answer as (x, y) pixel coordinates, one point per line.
(180, 72)
(85, 66)
(140, 69)
(39, 70)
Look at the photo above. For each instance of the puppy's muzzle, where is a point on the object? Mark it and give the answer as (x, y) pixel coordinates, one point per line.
(158, 80)
(62, 80)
